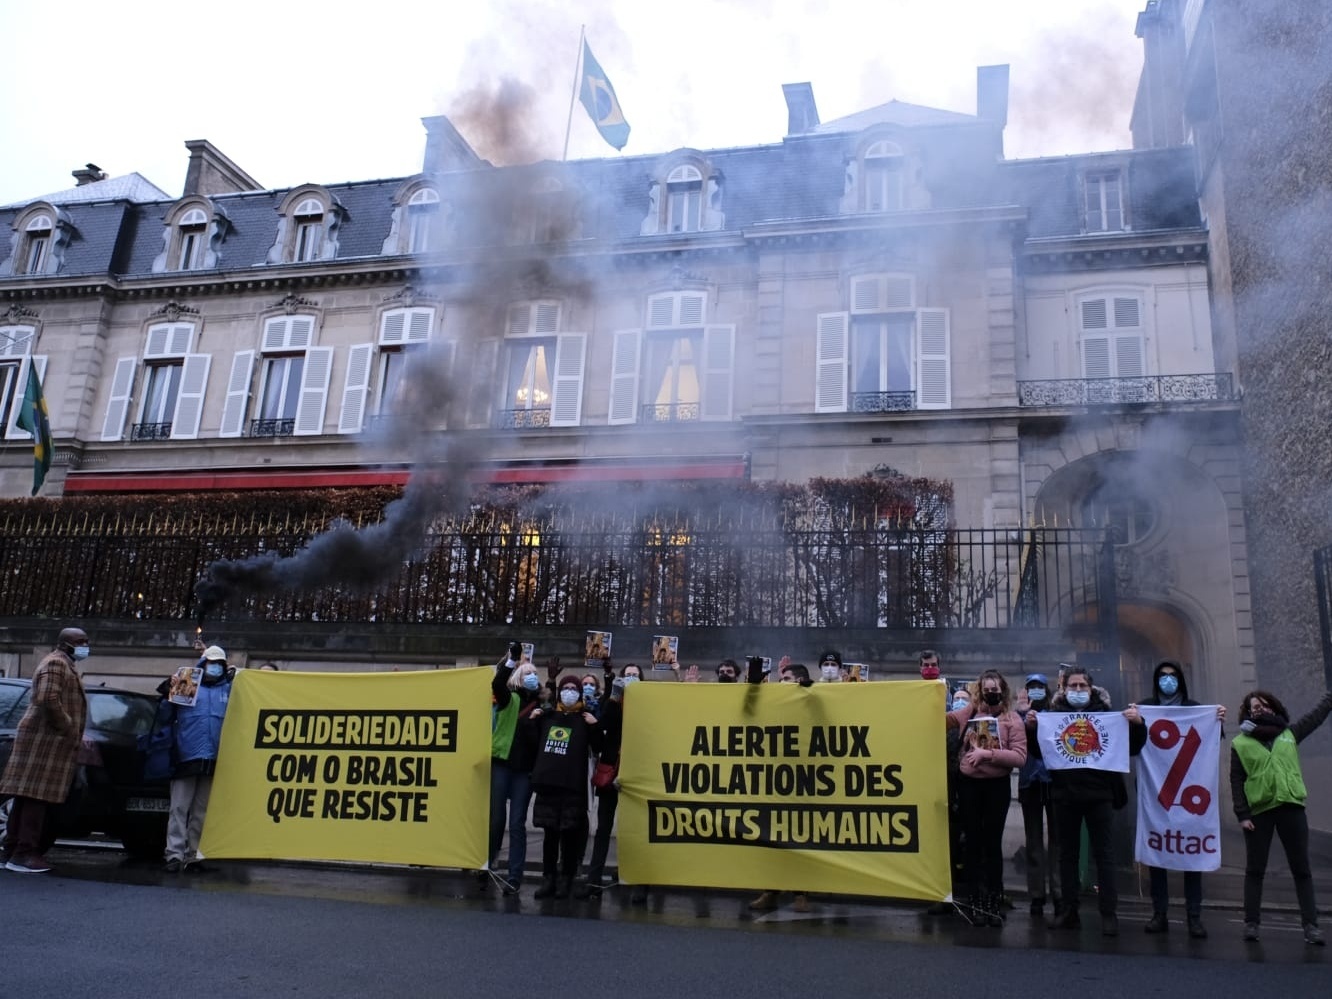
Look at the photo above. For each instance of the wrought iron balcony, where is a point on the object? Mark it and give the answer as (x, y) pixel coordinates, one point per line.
(883, 402)
(150, 431)
(272, 428)
(1211, 387)
(680, 412)
(522, 419)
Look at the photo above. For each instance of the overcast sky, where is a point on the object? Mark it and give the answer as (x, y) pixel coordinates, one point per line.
(296, 91)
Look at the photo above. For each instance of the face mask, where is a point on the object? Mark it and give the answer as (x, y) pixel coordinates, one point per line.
(589, 692)
(1036, 695)
(631, 679)
(992, 697)
(531, 682)
(568, 697)
(960, 703)
(214, 670)
(1168, 684)
(82, 652)
(726, 678)
(1079, 698)
(829, 673)
(929, 672)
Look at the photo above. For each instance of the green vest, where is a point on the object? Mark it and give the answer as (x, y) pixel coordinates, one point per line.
(1273, 776)
(502, 727)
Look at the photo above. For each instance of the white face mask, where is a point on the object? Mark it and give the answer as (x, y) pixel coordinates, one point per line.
(568, 697)
(830, 673)
(82, 652)
(1079, 698)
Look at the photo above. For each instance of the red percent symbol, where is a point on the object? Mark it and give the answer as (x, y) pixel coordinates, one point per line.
(1196, 799)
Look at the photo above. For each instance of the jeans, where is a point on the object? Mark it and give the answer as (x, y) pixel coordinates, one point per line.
(1291, 824)
(983, 805)
(1099, 816)
(608, 799)
(1038, 823)
(1161, 892)
(189, 804)
(511, 790)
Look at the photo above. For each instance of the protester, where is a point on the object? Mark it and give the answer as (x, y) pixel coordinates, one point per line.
(1091, 796)
(1269, 794)
(830, 667)
(1169, 689)
(993, 743)
(608, 795)
(270, 666)
(728, 671)
(198, 734)
(564, 737)
(592, 694)
(515, 692)
(44, 759)
(790, 673)
(1038, 821)
(929, 665)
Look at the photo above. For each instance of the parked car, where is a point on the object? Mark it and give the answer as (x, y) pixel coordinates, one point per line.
(110, 795)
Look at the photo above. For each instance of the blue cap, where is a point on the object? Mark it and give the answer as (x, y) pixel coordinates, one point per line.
(1038, 678)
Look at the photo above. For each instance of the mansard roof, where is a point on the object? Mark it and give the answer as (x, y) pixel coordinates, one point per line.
(129, 187)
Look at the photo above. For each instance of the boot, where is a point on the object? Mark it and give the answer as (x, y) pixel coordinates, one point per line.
(1196, 928)
(563, 887)
(1067, 919)
(547, 889)
(1157, 924)
(994, 912)
(765, 902)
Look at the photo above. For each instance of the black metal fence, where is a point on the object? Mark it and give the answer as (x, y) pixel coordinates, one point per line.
(649, 575)
(1323, 582)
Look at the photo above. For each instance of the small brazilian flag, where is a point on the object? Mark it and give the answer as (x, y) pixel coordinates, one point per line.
(32, 418)
(598, 96)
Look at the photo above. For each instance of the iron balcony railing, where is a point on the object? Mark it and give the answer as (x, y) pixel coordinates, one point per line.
(1216, 386)
(522, 419)
(680, 412)
(272, 428)
(883, 402)
(150, 431)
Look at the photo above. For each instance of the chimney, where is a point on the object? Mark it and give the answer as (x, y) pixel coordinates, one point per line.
(210, 172)
(992, 94)
(1158, 109)
(446, 149)
(801, 114)
(90, 174)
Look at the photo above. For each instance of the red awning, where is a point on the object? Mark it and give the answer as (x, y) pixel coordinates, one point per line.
(229, 480)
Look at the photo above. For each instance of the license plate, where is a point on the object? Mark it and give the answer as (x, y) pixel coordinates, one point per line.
(147, 805)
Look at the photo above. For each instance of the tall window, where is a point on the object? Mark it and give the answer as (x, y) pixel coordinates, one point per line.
(402, 333)
(673, 358)
(422, 215)
(193, 237)
(15, 349)
(281, 394)
(881, 358)
(38, 244)
(883, 178)
(1112, 338)
(1104, 201)
(309, 220)
(684, 199)
(164, 356)
(530, 344)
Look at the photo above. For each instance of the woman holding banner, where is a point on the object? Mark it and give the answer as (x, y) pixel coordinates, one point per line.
(564, 738)
(1269, 793)
(608, 792)
(993, 743)
(515, 693)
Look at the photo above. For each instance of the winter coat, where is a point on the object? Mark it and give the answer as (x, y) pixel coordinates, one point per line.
(1079, 785)
(1012, 737)
(512, 741)
(199, 730)
(563, 739)
(46, 748)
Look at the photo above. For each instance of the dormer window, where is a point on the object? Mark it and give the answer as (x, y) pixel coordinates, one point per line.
(422, 214)
(1103, 201)
(684, 199)
(309, 220)
(546, 208)
(37, 247)
(883, 173)
(193, 238)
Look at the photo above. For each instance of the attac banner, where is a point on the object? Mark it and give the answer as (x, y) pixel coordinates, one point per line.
(376, 767)
(1179, 822)
(1092, 740)
(833, 788)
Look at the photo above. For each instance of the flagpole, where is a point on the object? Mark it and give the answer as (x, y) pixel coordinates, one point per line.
(568, 127)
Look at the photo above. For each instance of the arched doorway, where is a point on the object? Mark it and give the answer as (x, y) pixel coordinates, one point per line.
(1149, 633)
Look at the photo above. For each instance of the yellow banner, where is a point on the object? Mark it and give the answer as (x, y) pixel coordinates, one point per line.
(377, 767)
(838, 787)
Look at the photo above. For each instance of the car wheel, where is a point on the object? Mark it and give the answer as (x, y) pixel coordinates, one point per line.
(144, 840)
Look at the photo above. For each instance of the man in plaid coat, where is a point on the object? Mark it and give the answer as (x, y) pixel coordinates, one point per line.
(42, 766)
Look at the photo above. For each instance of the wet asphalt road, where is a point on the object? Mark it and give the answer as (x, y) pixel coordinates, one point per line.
(105, 927)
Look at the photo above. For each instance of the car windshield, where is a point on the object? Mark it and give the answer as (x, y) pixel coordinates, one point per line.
(114, 711)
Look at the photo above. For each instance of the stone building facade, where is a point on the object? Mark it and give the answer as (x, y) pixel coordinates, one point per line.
(884, 290)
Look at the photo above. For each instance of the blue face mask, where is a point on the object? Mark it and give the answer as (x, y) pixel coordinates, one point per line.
(1036, 695)
(81, 652)
(961, 702)
(1079, 698)
(630, 679)
(1168, 684)
(531, 682)
(214, 670)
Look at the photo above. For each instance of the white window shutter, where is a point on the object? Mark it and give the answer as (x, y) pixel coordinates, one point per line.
(934, 377)
(718, 372)
(180, 338)
(867, 294)
(691, 308)
(314, 392)
(419, 324)
(122, 384)
(547, 318)
(1094, 315)
(831, 348)
(566, 404)
(1129, 357)
(899, 292)
(189, 400)
(1128, 313)
(275, 333)
(1096, 357)
(158, 338)
(301, 332)
(356, 388)
(393, 328)
(661, 312)
(238, 394)
(520, 319)
(624, 377)
(13, 431)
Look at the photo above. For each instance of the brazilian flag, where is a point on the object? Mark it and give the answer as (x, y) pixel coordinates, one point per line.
(598, 96)
(33, 418)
